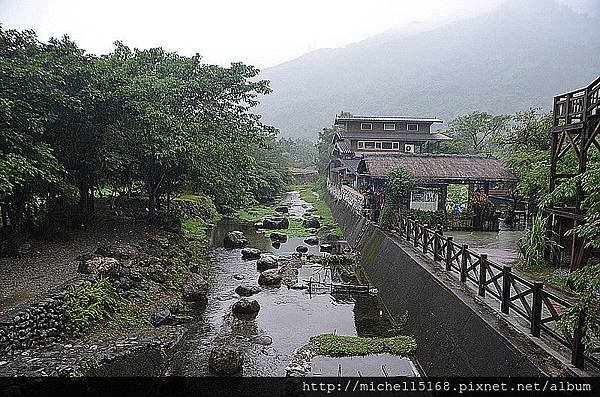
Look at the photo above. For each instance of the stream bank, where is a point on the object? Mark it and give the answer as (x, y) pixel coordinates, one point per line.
(290, 314)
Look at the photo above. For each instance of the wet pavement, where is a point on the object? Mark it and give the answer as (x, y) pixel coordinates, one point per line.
(287, 318)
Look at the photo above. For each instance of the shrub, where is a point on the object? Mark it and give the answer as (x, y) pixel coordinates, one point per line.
(431, 218)
(167, 219)
(89, 303)
(534, 242)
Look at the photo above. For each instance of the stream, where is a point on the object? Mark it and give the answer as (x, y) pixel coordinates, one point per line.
(287, 318)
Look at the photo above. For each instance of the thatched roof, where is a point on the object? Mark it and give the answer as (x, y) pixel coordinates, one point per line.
(439, 167)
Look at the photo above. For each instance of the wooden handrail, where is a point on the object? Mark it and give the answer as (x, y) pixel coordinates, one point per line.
(530, 300)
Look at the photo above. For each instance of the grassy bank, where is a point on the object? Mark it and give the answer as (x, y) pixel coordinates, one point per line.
(343, 346)
(313, 194)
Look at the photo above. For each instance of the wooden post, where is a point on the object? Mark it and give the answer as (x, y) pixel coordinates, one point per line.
(416, 231)
(408, 228)
(577, 352)
(483, 265)
(463, 263)
(424, 238)
(449, 253)
(536, 308)
(437, 245)
(506, 282)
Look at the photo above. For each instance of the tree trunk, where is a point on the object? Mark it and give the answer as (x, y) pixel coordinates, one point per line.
(4, 210)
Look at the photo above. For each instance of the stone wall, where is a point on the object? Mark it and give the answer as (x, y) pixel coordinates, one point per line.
(38, 324)
(354, 199)
(456, 334)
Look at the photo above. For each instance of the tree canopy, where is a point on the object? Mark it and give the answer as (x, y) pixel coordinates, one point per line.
(146, 119)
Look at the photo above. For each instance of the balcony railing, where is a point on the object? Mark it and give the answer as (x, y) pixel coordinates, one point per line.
(577, 106)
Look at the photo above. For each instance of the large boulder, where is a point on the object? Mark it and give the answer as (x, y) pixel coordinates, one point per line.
(270, 277)
(162, 315)
(235, 239)
(225, 360)
(266, 262)
(312, 240)
(195, 288)
(250, 253)
(243, 290)
(246, 307)
(103, 266)
(117, 251)
(312, 223)
(302, 249)
(279, 237)
(276, 223)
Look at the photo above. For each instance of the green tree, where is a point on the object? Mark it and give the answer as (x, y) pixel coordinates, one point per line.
(324, 146)
(397, 190)
(473, 133)
(30, 174)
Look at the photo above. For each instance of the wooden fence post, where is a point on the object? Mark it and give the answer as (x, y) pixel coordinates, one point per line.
(408, 228)
(536, 308)
(424, 238)
(577, 351)
(463, 263)
(506, 282)
(416, 231)
(437, 245)
(449, 253)
(483, 265)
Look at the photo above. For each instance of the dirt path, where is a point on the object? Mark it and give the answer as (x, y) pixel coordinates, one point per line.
(51, 264)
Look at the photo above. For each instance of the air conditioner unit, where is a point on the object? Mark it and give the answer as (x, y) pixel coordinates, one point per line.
(409, 148)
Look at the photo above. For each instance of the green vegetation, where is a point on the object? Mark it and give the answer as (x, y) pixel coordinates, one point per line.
(344, 265)
(534, 243)
(430, 218)
(397, 194)
(142, 123)
(342, 346)
(88, 303)
(473, 133)
(312, 193)
(586, 283)
(257, 212)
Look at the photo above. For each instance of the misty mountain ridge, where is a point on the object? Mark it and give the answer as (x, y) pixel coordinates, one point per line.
(515, 57)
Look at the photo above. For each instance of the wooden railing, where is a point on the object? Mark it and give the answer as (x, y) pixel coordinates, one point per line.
(576, 106)
(527, 299)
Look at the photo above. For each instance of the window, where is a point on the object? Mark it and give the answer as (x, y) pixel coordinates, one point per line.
(366, 126)
(386, 145)
(389, 127)
(378, 145)
(361, 145)
(396, 145)
(369, 145)
(412, 127)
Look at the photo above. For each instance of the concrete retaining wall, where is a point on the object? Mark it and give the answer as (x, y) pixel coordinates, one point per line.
(456, 335)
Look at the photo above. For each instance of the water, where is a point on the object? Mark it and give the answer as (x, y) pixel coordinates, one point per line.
(501, 246)
(288, 317)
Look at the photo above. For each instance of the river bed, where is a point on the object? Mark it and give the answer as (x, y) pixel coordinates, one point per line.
(287, 318)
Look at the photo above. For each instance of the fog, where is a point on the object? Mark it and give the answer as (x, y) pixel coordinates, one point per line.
(262, 33)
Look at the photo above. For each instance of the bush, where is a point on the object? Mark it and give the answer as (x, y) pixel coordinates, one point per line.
(171, 219)
(87, 304)
(534, 242)
(430, 218)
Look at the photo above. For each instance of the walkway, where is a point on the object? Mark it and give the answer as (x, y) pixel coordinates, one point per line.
(50, 265)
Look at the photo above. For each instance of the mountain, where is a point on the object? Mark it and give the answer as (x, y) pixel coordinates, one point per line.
(515, 57)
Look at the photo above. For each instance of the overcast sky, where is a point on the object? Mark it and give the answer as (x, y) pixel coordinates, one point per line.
(260, 32)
